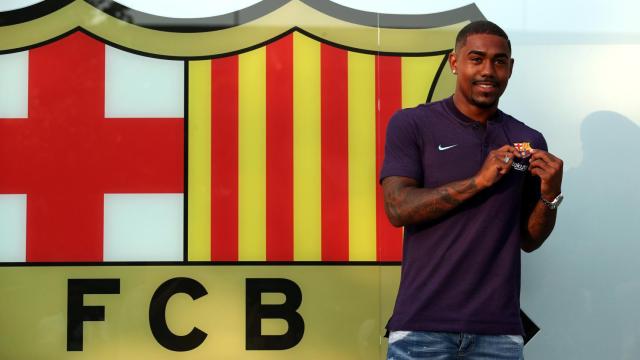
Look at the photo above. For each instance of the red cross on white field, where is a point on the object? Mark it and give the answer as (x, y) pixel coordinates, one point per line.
(66, 155)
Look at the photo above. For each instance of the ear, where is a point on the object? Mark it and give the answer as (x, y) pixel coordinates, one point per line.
(453, 62)
(511, 68)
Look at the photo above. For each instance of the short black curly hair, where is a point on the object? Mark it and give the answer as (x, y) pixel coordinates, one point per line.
(480, 27)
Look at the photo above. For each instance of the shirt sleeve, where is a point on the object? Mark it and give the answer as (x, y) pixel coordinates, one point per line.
(402, 150)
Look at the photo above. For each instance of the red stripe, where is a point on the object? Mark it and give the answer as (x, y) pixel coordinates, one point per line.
(224, 159)
(389, 95)
(335, 154)
(280, 150)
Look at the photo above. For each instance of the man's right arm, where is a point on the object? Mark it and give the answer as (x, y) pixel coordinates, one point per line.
(407, 203)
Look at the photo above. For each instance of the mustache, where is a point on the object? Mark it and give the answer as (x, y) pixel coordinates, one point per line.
(491, 80)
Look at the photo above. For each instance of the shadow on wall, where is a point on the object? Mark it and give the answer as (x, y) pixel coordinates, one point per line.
(590, 269)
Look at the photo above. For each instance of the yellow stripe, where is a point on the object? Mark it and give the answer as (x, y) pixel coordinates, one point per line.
(362, 157)
(306, 149)
(418, 74)
(252, 171)
(199, 226)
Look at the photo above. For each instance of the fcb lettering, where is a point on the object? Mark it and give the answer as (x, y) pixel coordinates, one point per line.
(78, 313)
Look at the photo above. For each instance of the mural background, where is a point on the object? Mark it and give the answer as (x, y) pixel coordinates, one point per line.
(573, 80)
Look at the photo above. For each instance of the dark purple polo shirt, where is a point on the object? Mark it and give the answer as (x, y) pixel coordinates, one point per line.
(460, 273)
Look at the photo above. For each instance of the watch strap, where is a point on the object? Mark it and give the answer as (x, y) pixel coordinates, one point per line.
(553, 205)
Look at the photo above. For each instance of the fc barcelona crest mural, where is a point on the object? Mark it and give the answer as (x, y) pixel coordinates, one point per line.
(236, 153)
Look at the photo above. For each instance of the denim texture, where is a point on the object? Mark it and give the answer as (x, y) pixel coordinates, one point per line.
(410, 345)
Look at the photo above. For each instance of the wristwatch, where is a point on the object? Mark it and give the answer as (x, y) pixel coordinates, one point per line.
(552, 205)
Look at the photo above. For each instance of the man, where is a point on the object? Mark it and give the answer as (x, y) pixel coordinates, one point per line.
(472, 186)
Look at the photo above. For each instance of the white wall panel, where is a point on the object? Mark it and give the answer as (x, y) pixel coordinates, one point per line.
(8, 5)
(196, 8)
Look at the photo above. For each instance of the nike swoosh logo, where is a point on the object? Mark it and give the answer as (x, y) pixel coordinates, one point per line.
(443, 148)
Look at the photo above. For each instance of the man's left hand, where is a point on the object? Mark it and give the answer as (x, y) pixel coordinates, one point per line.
(548, 168)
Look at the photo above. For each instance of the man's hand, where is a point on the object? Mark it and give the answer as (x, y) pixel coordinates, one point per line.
(548, 168)
(541, 220)
(496, 165)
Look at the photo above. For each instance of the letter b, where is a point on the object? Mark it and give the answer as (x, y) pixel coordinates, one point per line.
(256, 311)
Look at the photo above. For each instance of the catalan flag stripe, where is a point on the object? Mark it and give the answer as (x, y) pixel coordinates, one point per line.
(252, 156)
(280, 150)
(307, 149)
(199, 197)
(224, 159)
(362, 157)
(286, 143)
(389, 96)
(335, 161)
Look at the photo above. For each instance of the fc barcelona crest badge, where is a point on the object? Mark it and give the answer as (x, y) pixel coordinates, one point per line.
(222, 157)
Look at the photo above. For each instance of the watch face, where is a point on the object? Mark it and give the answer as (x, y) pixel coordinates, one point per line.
(556, 202)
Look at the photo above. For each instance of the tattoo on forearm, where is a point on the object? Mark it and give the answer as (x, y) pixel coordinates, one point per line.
(406, 203)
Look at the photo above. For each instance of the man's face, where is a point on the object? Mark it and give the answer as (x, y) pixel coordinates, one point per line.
(483, 66)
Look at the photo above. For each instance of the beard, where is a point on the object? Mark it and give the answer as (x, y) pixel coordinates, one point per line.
(485, 99)
(484, 102)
